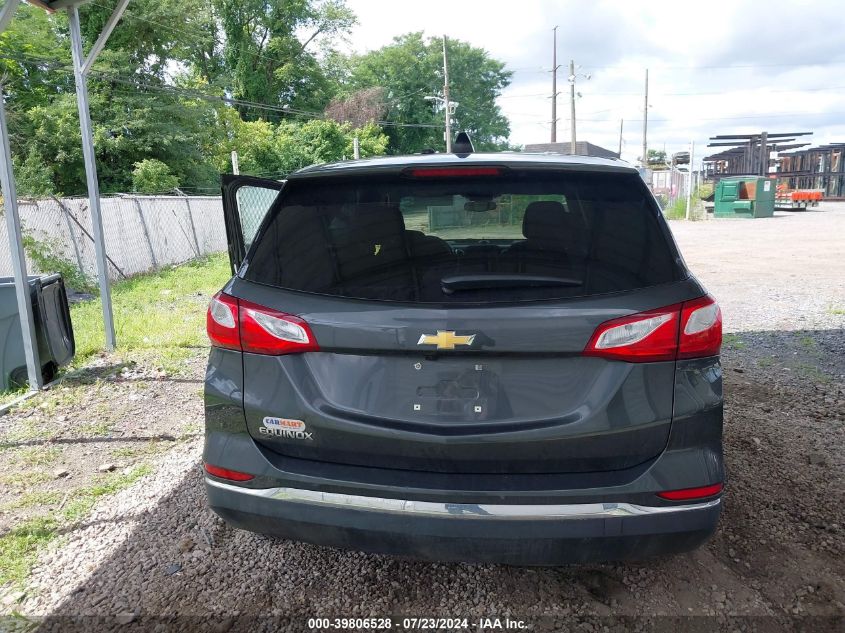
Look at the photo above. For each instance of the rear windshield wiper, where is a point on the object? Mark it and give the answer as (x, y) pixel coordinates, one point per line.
(456, 283)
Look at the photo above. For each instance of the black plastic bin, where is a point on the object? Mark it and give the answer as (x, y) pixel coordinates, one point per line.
(54, 331)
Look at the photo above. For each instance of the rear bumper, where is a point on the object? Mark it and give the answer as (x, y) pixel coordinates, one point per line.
(515, 518)
(517, 534)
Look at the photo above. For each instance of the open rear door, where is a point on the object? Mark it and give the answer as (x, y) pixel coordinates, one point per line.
(246, 200)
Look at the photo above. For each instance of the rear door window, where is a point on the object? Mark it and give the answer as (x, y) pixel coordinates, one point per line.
(521, 236)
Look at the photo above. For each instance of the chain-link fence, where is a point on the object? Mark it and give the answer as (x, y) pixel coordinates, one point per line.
(142, 234)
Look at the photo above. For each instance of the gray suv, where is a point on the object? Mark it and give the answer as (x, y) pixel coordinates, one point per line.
(474, 357)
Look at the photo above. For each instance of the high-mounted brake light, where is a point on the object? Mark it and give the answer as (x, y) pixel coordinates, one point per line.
(237, 324)
(453, 172)
(225, 473)
(692, 329)
(687, 494)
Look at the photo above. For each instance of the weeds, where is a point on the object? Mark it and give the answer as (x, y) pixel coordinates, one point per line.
(812, 373)
(23, 479)
(19, 547)
(84, 499)
(30, 499)
(159, 318)
(677, 210)
(43, 255)
(37, 455)
(807, 342)
(732, 340)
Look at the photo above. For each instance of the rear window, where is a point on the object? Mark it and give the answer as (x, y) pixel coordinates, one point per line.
(520, 237)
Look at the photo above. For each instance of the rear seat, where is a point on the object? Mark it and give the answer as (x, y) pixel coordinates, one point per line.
(371, 254)
(556, 239)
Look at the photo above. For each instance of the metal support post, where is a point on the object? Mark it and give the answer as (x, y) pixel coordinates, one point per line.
(7, 12)
(80, 65)
(573, 146)
(689, 180)
(13, 226)
(554, 85)
(645, 123)
(446, 106)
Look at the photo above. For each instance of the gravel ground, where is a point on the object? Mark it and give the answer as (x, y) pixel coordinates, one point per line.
(776, 563)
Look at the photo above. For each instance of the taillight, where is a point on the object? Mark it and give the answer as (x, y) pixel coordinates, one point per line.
(687, 494)
(266, 331)
(701, 328)
(225, 473)
(237, 324)
(639, 338)
(221, 322)
(692, 329)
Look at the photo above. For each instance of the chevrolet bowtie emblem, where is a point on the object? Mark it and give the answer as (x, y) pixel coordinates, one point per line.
(445, 340)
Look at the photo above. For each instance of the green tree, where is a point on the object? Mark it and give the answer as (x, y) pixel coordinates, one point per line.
(132, 118)
(31, 48)
(411, 68)
(153, 176)
(275, 150)
(273, 52)
(32, 176)
(268, 50)
(153, 34)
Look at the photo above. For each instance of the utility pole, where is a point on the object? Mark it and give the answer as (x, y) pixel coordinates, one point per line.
(447, 106)
(689, 181)
(236, 169)
(356, 148)
(645, 124)
(573, 146)
(621, 125)
(554, 85)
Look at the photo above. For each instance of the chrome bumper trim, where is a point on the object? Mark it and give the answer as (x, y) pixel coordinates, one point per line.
(461, 510)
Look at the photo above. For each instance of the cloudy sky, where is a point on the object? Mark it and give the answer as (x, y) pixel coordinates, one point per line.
(714, 67)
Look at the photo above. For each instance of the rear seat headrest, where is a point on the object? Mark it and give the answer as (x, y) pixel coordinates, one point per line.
(376, 214)
(546, 220)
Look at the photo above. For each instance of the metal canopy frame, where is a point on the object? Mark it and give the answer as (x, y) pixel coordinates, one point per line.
(81, 67)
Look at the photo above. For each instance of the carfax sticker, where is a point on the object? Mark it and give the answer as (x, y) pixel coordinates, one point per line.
(285, 428)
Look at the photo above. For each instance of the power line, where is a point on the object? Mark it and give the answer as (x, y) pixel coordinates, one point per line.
(689, 94)
(196, 94)
(772, 115)
(205, 36)
(726, 66)
(727, 118)
(167, 89)
(696, 67)
(245, 103)
(198, 34)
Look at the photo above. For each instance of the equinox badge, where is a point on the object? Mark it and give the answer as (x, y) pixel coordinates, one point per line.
(445, 340)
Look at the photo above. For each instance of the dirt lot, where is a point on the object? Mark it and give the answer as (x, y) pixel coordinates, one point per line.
(153, 555)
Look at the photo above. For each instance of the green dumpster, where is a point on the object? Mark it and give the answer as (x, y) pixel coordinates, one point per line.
(745, 197)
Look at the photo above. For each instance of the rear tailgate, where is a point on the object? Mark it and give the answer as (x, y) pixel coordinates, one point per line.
(449, 316)
(524, 400)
